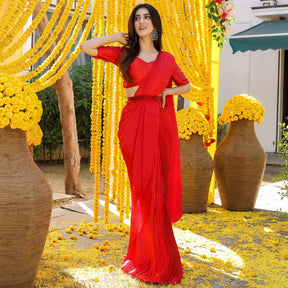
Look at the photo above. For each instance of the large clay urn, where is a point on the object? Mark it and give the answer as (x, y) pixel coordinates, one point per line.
(196, 172)
(239, 166)
(25, 210)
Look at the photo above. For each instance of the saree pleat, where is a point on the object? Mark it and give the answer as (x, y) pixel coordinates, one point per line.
(152, 253)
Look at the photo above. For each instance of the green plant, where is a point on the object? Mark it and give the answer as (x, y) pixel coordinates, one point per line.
(82, 86)
(50, 123)
(283, 148)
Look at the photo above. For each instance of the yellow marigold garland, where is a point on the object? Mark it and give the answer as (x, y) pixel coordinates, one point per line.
(45, 81)
(15, 15)
(19, 43)
(191, 121)
(21, 21)
(96, 113)
(6, 18)
(189, 26)
(242, 107)
(62, 42)
(20, 108)
(21, 65)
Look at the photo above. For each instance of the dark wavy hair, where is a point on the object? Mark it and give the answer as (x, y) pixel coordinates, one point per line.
(132, 48)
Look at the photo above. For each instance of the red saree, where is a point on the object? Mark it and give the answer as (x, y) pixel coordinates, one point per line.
(149, 143)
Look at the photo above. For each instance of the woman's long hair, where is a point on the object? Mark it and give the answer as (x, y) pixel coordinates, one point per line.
(132, 48)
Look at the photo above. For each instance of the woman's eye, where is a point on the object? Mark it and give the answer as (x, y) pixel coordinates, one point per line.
(136, 18)
(147, 17)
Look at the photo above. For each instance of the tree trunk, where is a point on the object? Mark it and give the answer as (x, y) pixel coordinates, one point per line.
(64, 90)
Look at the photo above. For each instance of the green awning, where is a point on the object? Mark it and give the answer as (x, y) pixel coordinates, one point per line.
(266, 35)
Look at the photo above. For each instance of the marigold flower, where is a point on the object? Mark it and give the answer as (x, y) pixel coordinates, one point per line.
(60, 237)
(103, 248)
(111, 268)
(72, 228)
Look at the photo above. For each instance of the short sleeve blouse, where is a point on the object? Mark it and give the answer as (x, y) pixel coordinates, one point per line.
(138, 68)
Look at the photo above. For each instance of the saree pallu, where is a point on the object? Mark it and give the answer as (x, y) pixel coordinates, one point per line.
(149, 143)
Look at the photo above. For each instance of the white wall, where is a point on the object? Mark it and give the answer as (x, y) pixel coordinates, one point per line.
(253, 72)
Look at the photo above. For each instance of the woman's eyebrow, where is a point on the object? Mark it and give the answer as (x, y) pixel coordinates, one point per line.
(147, 14)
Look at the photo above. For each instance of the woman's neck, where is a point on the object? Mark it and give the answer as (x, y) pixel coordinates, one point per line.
(146, 45)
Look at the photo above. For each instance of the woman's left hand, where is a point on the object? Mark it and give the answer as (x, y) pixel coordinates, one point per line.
(163, 96)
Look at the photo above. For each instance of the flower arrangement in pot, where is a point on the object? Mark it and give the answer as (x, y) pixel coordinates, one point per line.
(20, 108)
(26, 197)
(240, 159)
(196, 162)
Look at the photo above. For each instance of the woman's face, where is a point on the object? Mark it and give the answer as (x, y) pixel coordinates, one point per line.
(143, 23)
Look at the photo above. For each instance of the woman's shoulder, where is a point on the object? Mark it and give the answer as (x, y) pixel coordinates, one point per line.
(168, 55)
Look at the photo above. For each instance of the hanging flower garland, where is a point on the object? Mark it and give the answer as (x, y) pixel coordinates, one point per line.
(222, 14)
(21, 21)
(20, 64)
(6, 18)
(20, 108)
(20, 42)
(55, 72)
(193, 26)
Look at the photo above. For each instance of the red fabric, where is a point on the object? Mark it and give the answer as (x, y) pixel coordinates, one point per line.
(138, 68)
(150, 146)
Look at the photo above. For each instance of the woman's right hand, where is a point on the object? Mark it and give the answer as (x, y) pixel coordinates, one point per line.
(122, 38)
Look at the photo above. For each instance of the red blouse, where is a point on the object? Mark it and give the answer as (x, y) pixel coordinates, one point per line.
(138, 68)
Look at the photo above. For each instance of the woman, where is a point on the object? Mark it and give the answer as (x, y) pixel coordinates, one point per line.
(149, 143)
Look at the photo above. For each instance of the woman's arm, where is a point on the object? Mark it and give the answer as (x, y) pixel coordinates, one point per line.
(90, 46)
(182, 89)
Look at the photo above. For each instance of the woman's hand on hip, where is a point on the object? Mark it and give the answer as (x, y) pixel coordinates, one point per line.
(163, 96)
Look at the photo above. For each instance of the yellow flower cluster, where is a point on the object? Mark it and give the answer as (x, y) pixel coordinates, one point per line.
(20, 108)
(191, 121)
(242, 107)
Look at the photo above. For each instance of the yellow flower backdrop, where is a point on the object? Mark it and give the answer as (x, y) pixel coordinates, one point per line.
(187, 35)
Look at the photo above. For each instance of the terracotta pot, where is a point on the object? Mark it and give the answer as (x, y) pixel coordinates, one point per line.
(239, 166)
(196, 172)
(25, 210)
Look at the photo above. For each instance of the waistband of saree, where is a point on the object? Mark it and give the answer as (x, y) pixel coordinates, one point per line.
(136, 98)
